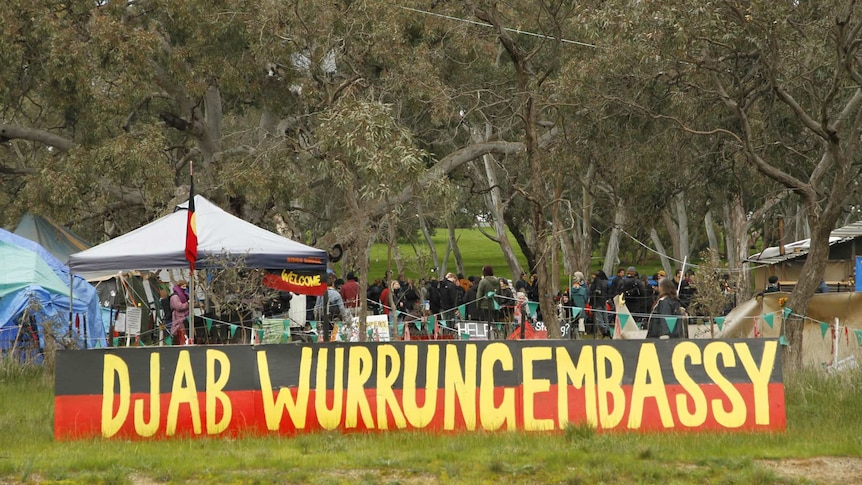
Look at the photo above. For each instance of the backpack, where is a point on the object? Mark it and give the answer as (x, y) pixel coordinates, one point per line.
(167, 311)
(631, 288)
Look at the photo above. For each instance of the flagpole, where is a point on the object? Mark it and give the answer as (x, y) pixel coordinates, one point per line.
(191, 251)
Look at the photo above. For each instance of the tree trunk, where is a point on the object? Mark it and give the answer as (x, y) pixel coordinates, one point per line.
(612, 254)
(423, 226)
(494, 202)
(453, 242)
(715, 250)
(665, 261)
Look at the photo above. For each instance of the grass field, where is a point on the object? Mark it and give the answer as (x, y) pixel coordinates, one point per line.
(823, 414)
(476, 251)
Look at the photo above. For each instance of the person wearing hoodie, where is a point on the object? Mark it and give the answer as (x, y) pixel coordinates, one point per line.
(489, 284)
(578, 297)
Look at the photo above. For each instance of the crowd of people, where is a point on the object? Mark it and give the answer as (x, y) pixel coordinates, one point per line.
(584, 307)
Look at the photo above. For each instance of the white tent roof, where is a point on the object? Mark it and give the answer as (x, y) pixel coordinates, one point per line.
(161, 244)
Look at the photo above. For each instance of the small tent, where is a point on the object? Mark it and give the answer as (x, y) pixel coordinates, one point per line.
(58, 240)
(35, 292)
(161, 245)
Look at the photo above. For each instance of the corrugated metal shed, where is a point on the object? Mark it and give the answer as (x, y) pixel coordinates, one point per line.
(800, 248)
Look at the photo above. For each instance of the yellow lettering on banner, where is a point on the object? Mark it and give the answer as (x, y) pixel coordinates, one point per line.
(215, 392)
(149, 428)
(329, 419)
(297, 409)
(697, 416)
(648, 382)
(735, 416)
(388, 358)
(759, 376)
(494, 417)
(114, 366)
(461, 382)
(534, 386)
(419, 417)
(300, 280)
(358, 373)
(183, 394)
(609, 389)
(581, 376)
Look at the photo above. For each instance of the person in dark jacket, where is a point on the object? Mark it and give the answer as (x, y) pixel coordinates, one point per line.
(599, 294)
(450, 296)
(667, 307)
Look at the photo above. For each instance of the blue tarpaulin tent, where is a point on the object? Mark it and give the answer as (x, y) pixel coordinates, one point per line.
(34, 290)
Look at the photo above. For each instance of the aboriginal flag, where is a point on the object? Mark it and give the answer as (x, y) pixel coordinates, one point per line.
(191, 226)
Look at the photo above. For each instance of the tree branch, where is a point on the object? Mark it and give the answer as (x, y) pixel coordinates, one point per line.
(11, 132)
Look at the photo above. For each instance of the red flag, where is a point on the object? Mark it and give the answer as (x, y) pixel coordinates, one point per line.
(191, 226)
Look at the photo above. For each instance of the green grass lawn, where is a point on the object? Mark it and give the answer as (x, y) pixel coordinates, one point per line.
(477, 250)
(823, 414)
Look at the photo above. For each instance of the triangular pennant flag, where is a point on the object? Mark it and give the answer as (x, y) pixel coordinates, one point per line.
(783, 341)
(285, 336)
(232, 330)
(756, 329)
(406, 332)
(823, 329)
(418, 324)
(858, 337)
(768, 318)
(259, 336)
(720, 322)
(209, 323)
(400, 329)
(496, 304)
(462, 309)
(285, 324)
(116, 341)
(533, 307)
(787, 312)
(432, 320)
(613, 330)
(624, 318)
(576, 311)
(169, 340)
(671, 323)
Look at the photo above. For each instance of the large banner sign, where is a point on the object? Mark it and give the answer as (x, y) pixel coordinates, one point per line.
(437, 386)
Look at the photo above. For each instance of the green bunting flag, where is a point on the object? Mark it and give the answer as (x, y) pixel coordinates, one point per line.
(462, 309)
(209, 323)
(624, 318)
(576, 311)
(400, 329)
(116, 341)
(787, 312)
(823, 329)
(465, 336)
(233, 330)
(169, 340)
(720, 322)
(496, 304)
(259, 336)
(671, 323)
(285, 337)
(858, 337)
(432, 320)
(613, 329)
(285, 324)
(768, 318)
(533, 307)
(783, 341)
(418, 324)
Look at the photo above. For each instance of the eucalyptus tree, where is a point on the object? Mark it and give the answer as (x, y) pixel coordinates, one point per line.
(788, 75)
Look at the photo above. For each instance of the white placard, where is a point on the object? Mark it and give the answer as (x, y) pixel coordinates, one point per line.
(133, 321)
(120, 323)
(377, 327)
